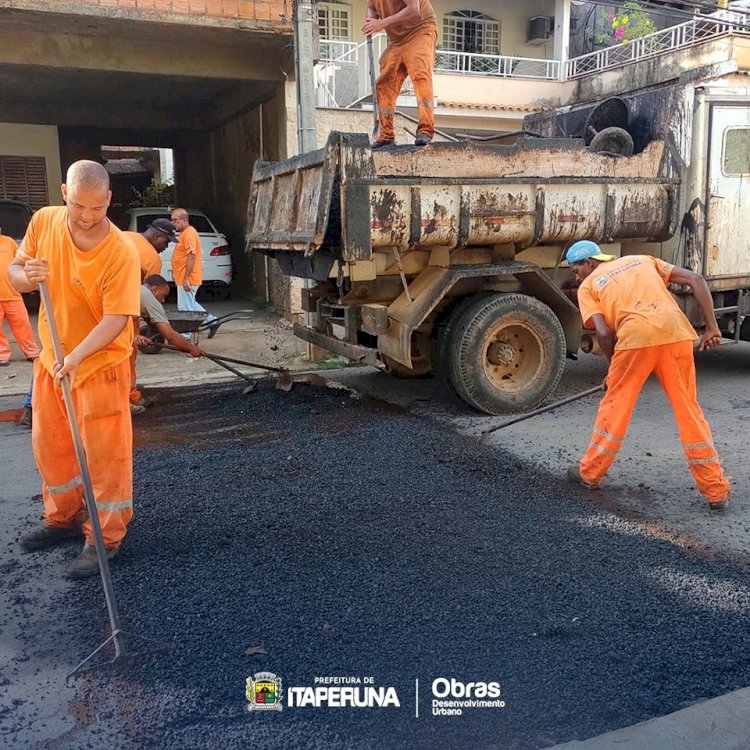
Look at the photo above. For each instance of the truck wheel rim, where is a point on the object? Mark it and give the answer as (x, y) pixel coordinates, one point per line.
(512, 356)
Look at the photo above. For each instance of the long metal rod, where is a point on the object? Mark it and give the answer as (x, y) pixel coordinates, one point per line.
(373, 87)
(542, 410)
(442, 133)
(219, 358)
(88, 490)
(230, 368)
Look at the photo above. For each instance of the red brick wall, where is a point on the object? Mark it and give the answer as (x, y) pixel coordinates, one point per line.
(267, 11)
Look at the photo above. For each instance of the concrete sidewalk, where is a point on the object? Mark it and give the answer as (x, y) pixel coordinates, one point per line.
(265, 338)
(719, 724)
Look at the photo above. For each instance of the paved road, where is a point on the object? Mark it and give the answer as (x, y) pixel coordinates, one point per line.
(313, 534)
(649, 481)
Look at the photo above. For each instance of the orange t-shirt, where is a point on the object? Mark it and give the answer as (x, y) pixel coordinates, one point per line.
(8, 249)
(83, 287)
(189, 244)
(150, 260)
(632, 295)
(403, 32)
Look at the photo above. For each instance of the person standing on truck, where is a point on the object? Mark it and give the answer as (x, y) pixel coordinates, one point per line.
(641, 330)
(12, 308)
(411, 28)
(151, 243)
(154, 292)
(187, 267)
(92, 274)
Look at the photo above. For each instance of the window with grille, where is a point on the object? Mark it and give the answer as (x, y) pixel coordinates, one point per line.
(471, 31)
(24, 178)
(333, 21)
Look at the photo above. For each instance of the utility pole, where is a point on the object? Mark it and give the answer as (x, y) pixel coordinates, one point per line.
(304, 54)
(307, 132)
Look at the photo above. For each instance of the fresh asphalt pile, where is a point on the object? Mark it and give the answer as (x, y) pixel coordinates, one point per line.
(313, 534)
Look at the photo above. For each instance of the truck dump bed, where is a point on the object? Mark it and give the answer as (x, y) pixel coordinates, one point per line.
(544, 191)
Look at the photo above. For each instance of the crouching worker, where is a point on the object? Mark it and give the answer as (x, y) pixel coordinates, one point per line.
(92, 274)
(154, 292)
(641, 330)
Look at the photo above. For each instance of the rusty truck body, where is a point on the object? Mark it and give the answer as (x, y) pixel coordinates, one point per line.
(450, 258)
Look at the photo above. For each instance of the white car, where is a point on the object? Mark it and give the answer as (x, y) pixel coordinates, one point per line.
(217, 259)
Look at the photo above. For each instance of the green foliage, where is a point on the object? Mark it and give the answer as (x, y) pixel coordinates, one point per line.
(156, 194)
(630, 23)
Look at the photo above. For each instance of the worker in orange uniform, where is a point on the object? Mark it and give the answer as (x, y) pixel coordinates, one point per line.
(187, 267)
(641, 330)
(151, 243)
(154, 292)
(411, 28)
(92, 274)
(13, 309)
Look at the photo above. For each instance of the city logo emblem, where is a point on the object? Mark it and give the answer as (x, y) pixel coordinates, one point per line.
(263, 691)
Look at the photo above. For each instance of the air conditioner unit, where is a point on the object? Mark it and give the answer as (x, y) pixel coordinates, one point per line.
(538, 30)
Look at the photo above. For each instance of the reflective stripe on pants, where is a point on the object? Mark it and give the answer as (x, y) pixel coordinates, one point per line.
(103, 415)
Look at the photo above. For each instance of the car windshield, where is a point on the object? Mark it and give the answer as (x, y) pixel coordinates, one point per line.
(13, 220)
(200, 222)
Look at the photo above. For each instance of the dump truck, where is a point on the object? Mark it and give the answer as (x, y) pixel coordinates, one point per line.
(449, 259)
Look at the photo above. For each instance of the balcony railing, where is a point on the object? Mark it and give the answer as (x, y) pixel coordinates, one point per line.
(659, 43)
(343, 77)
(450, 61)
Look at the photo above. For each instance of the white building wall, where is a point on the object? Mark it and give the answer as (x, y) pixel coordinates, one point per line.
(35, 140)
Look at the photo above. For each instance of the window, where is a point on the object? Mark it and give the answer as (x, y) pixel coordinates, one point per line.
(471, 31)
(736, 159)
(24, 178)
(333, 21)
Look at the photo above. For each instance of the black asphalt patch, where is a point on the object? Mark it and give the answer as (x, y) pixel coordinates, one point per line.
(345, 538)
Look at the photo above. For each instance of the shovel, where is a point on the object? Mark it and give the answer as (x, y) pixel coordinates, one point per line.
(283, 383)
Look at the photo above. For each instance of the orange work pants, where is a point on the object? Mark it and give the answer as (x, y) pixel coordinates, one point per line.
(14, 311)
(103, 416)
(674, 366)
(414, 58)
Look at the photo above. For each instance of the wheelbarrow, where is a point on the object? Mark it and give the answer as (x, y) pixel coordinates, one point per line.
(188, 322)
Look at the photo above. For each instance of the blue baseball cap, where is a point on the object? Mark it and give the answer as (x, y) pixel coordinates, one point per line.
(585, 249)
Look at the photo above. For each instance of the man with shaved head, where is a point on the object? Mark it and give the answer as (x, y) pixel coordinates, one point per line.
(187, 266)
(92, 273)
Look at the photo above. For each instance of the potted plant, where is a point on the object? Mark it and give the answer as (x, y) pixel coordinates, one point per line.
(629, 23)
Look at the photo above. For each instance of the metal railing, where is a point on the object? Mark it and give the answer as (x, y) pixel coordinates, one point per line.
(343, 77)
(661, 42)
(450, 61)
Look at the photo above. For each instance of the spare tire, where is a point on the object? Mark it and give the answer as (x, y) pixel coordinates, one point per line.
(611, 113)
(612, 141)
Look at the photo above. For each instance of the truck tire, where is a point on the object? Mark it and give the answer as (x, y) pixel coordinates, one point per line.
(421, 360)
(505, 353)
